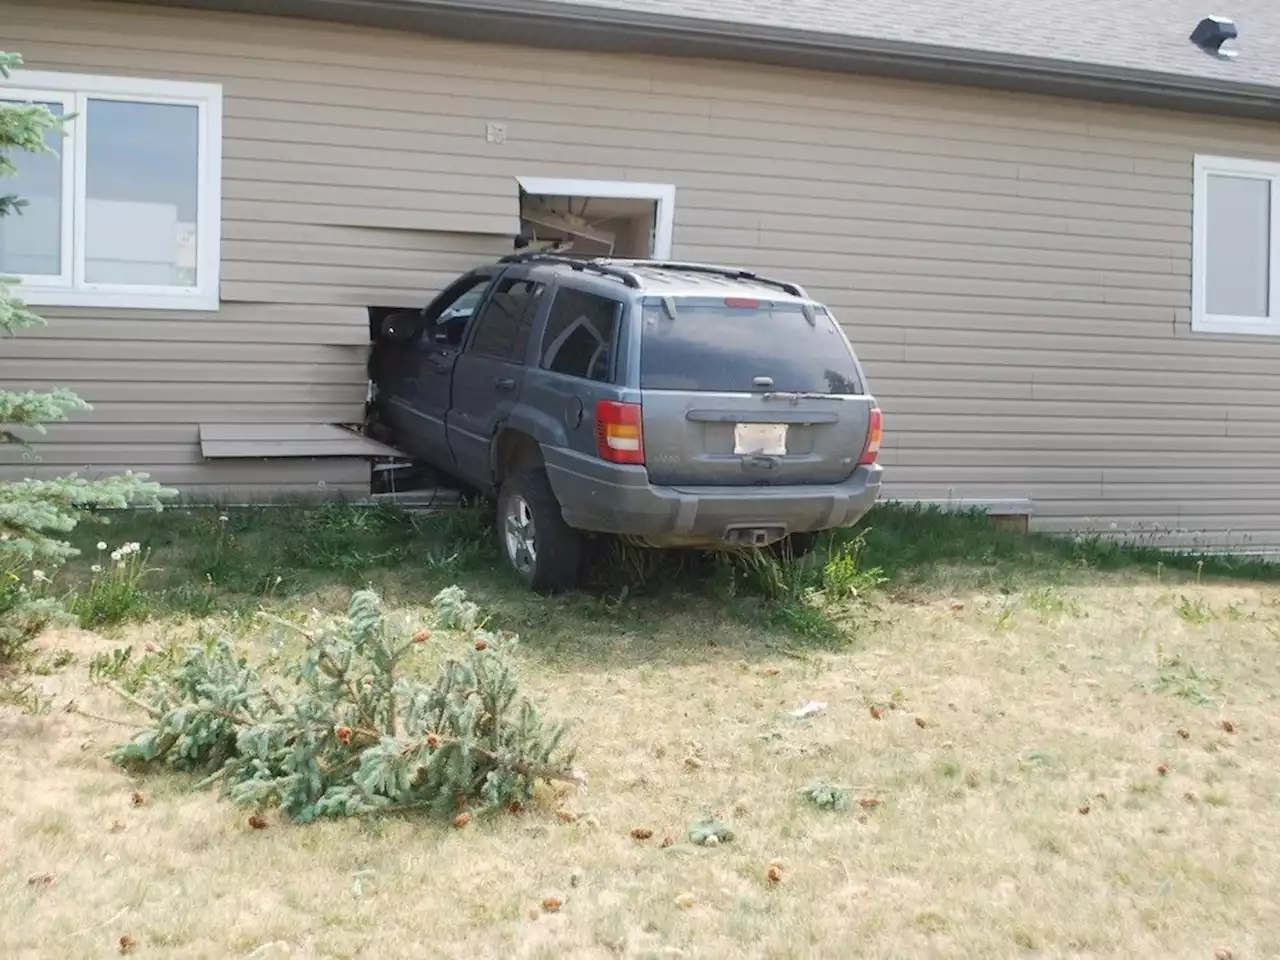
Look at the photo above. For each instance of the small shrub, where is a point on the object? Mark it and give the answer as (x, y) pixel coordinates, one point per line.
(355, 735)
(1177, 677)
(844, 577)
(26, 608)
(827, 796)
(114, 594)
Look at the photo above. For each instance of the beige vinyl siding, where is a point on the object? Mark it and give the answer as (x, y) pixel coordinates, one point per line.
(1014, 271)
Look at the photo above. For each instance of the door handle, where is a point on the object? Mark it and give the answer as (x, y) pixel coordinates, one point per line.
(505, 384)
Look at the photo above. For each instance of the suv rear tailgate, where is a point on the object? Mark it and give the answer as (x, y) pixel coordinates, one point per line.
(739, 392)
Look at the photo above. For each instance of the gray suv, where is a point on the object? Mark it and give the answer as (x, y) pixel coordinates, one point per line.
(675, 404)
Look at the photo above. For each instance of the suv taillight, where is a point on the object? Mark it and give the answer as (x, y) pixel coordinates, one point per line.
(875, 433)
(619, 435)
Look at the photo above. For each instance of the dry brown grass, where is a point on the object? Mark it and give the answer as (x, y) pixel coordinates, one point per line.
(1032, 710)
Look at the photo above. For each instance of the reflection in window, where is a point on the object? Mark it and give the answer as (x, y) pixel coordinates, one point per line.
(581, 331)
(504, 326)
(31, 237)
(142, 193)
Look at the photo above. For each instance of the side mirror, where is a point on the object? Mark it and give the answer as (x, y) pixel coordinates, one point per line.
(402, 326)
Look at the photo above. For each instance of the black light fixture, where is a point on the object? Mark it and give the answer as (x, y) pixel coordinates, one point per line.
(1212, 32)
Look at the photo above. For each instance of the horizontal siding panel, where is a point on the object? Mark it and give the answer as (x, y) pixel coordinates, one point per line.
(225, 409)
(1035, 253)
(338, 276)
(190, 372)
(406, 295)
(347, 215)
(166, 359)
(303, 474)
(925, 401)
(350, 395)
(125, 335)
(330, 314)
(311, 239)
(934, 432)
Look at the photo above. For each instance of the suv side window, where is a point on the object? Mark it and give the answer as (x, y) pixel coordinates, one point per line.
(580, 336)
(505, 323)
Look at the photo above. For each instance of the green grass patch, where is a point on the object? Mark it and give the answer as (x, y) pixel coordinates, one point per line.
(200, 561)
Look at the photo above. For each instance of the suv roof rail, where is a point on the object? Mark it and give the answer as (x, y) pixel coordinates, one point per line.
(579, 263)
(712, 269)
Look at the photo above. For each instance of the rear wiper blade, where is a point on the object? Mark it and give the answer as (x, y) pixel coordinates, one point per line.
(793, 397)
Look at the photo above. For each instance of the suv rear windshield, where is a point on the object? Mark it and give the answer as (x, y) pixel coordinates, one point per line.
(720, 346)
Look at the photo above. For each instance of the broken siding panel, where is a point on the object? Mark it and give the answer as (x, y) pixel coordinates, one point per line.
(246, 441)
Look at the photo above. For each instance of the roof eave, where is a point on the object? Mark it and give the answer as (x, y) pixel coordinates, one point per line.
(545, 23)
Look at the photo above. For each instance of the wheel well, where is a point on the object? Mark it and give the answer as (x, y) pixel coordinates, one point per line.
(514, 451)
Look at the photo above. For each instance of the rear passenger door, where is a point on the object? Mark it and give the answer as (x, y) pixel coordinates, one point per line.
(489, 374)
(577, 363)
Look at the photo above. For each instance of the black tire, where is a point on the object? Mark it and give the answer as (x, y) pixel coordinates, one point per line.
(556, 562)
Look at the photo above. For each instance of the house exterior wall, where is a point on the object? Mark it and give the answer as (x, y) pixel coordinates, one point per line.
(1014, 271)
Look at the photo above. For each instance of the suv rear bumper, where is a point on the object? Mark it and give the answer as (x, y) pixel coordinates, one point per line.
(612, 498)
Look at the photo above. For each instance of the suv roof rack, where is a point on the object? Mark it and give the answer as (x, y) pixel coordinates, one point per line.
(580, 263)
(732, 273)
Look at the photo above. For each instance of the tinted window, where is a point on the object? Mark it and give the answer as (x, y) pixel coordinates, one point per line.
(503, 327)
(582, 329)
(712, 346)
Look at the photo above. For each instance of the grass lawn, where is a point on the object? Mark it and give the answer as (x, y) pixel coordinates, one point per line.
(1049, 749)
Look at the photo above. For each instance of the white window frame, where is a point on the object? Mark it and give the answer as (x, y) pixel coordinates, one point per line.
(74, 91)
(1201, 320)
(662, 194)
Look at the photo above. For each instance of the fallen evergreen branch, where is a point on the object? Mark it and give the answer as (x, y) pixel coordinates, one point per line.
(355, 736)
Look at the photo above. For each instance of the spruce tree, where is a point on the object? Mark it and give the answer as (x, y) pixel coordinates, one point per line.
(353, 732)
(36, 515)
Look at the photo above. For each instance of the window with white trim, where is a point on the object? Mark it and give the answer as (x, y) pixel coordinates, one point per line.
(128, 212)
(1235, 259)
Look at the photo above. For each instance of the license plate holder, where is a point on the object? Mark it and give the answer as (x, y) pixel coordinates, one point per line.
(760, 439)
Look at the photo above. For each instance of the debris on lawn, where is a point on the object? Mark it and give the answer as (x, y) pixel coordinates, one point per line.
(1228, 726)
(686, 901)
(774, 873)
(826, 795)
(808, 709)
(1084, 809)
(258, 821)
(869, 803)
(41, 880)
(708, 831)
(356, 735)
(552, 904)
(126, 943)
(875, 712)
(1184, 733)
(138, 799)
(642, 833)
(1162, 769)
(921, 722)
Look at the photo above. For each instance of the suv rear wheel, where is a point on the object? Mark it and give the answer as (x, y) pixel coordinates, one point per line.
(532, 535)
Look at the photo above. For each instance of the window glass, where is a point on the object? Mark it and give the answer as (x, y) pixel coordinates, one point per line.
(712, 345)
(504, 325)
(1238, 247)
(31, 237)
(582, 330)
(142, 193)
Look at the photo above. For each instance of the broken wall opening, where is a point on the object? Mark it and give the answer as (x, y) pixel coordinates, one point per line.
(592, 226)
